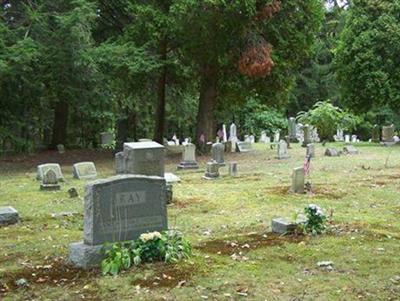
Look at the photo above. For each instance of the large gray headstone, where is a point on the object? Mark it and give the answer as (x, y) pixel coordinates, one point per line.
(43, 168)
(8, 216)
(188, 157)
(144, 158)
(84, 170)
(120, 208)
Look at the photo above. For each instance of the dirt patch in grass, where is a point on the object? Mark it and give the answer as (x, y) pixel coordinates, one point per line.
(167, 276)
(54, 273)
(247, 243)
(183, 203)
(278, 190)
(318, 191)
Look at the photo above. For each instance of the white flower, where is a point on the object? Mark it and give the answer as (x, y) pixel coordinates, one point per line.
(149, 236)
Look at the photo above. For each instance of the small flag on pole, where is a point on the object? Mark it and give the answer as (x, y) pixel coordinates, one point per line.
(307, 165)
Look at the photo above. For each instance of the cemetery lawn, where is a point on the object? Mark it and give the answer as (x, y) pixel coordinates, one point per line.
(228, 222)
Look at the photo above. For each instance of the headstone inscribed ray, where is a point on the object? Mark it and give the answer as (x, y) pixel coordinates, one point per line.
(84, 170)
(43, 168)
(117, 209)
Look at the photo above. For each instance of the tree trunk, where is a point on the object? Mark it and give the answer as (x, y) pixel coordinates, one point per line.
(207, 103)
(161, 101)
(60, 123)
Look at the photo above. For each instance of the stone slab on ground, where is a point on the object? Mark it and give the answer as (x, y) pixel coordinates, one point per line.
(283, 226)
(8, 216)
(350, 150)
(85, 256)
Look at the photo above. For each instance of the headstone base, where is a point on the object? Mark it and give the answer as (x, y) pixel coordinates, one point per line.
(49, 187)
(210, 177)
(8, 216)
(283, 226)
(188, 165)
(85, 256)
(282, 157)
(387, 144)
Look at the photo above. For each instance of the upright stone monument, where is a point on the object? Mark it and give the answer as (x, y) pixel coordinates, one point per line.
(61, 148)
(233, 137)
(233, 171)
(263, 137)
(188, 157)
(298, 180)
(84, 170)
(375, 134)
(144, 158)
(307, 135)
(50, 181)
(292, 129)
(388, 133)
(282, 150)
(347, 138)
(217, 153)
(120, 165)
(277, 136)
(43, 168)
(212, 171)
(224, 134)
(310, 150)
(106, 138)
(120, 208)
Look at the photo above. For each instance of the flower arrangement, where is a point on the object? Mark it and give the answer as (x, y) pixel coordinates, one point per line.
(316, 219)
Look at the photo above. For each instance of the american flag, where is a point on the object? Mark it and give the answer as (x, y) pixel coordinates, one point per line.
(307, 165)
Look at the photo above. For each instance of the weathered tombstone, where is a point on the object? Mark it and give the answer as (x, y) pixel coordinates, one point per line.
(277, 136)
(347, 138)
(244, 147)
(120, 165)
(233, 136)
(298, 179)
(252, 139)
(217, 153)
(332, 152)
(188, 157)
(8, 216)
(60, 148)
(228, 147)
(120, 208)
(292, 129)
(50, 181)
(310, 150)
(170, 178)
(144, 158)
(388, 133)
(375, 134)
(263, 137)
(267, 140)
(224, 135)
(339, 135)
(43, 168)
(212, 171)
(350, 150)
(287, 139)
(247, 138)
(307, 135)
(233, 171)
(84, 170)
(353, 138)
(73, 193)
(106, 138)
(282, 151)
(283, 226)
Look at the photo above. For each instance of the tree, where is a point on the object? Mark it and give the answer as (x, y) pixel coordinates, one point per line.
(367, 60)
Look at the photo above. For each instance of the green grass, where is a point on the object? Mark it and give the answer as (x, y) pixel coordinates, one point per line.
(362, 191)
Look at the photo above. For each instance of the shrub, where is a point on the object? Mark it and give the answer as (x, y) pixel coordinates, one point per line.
(316, 219)
(167, 246)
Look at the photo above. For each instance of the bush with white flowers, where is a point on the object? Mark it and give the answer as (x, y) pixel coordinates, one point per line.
(167, 246)
(316, 219)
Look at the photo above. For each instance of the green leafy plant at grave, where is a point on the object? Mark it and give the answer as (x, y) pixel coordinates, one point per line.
(168, 246)
(316, 220)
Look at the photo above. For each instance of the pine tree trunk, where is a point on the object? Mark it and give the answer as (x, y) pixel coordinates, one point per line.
(60, 123)
(207, 103)
(161, 101)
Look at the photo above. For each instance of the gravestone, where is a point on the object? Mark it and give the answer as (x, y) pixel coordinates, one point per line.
(61, 148)
(217, 153)
(332, 152)
(277, 136)
(84, 170)
(252, 139)
(228, 147)
(188, 157)
(307, 135)
(224, 134)
(339, 135)
(283, 226)
(43, 168)
(347, 138)
(353, 138)
(244, 147)
(120, 165)
(282, 150)
(350, 150)
(212, 171)
(120, 208)
(233, 136)
(310, 150)
(292, 129)
(8, 216)
(233, 171)
(263, 137)
(50, 181)
(375, 134)
(170, 178)
(388, 133)
(298, 179)
(144, 158)
(106, 138)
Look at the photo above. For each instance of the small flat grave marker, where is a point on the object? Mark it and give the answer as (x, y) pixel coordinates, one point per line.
(8, 216)
(84, 170)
